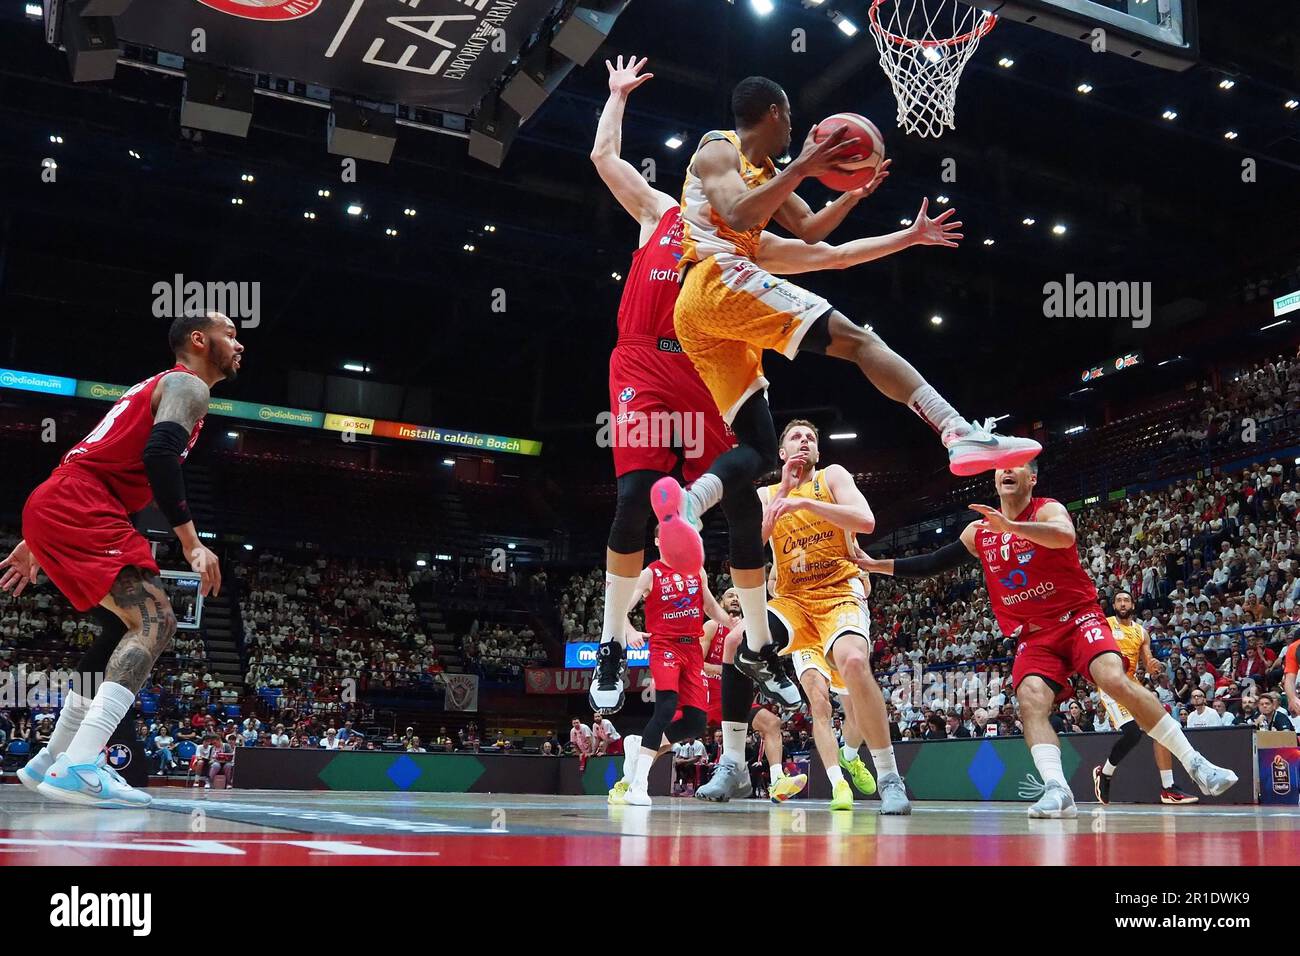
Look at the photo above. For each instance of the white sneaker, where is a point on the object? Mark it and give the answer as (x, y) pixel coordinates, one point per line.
(1056, 803)
(93, 785)
(1211, 779)
(981, 449)
(637, 797)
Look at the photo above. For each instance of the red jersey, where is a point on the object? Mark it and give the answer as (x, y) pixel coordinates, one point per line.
(1028, 582)
(674, 606)
(113, 453)
(715, 648)
(650, 293)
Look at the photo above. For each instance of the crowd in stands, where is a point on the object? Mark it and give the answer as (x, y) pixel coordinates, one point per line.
(499, 651)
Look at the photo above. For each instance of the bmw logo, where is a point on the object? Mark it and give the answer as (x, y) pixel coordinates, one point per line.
(119, 756)
(627, 395)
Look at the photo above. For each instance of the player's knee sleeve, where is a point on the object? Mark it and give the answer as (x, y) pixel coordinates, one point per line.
(745, 527)
(753, 426)
(737, 695)
(1130, 734)
(95, 659)
(665, 707)
(627, 532)
(692, 723)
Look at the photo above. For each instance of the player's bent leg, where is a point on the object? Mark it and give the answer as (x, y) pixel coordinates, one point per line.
(971, 448)
(1107, 672)
(818, 692)
(78, 775)
(1036, 697)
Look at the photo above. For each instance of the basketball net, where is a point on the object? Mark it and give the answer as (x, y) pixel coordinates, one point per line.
(924, 46)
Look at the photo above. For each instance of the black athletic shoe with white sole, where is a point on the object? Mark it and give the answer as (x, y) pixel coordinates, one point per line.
(607, 694)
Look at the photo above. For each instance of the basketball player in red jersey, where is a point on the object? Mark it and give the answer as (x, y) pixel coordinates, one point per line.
(76, 528)
(1043, 599)
(676, 608)
(715, 642)
(649, 374)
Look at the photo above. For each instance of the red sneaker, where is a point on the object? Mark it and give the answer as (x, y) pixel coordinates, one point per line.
(680, 544)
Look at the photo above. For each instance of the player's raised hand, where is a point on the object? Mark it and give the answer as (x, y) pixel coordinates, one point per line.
(204, 563)
(994, 519)
(784, 506)
(624, 79)
(792, 471)
(942, 230)
(20, 569)
(862, 192)
(817, 158)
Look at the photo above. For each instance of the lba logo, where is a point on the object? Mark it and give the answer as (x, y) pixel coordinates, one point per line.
(265, 9)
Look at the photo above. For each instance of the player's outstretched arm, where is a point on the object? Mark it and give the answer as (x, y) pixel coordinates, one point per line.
(950, 556)
(643, 203)
(183, 400)
(782, 256)
(812, 227)
(1051, 526)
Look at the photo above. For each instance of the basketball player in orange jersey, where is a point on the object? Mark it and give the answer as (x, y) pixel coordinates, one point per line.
(818, 614)
(731, 309)
(1291, 667)
(649, 374)
(1043, 599)
(1135, 644)
(76, 528)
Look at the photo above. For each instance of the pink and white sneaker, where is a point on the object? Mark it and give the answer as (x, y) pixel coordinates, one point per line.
(680, 544)
(982, 449)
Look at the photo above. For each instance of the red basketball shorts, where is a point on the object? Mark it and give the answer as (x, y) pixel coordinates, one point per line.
(660, 410)
(1063, 646)
(677, 665)
(82, 537)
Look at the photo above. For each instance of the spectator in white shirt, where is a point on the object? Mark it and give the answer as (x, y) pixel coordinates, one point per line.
(1226, 717)
(331, 740)
(1200, 715)
(279, 738)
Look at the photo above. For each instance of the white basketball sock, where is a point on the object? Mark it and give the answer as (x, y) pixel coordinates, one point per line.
(106, 711)
(618, 595)
(775, 772)
(884, 761)
(641, 773)
(733, 741)
(631, 757)
(937, 413)
(705, 492)
(1047, 758)
(1166, 778)
(75, 708)
(1168, 733)
(753, 605)
(850, 753)
(835, 775)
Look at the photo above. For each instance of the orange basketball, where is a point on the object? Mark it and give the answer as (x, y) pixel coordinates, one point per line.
(860, 165)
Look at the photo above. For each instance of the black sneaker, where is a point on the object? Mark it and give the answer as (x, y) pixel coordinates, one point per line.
(1177, 794)
(770, 675)
(606, 694)
(1101, 786)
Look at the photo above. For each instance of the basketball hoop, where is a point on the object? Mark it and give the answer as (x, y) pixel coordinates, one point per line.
(924, 46)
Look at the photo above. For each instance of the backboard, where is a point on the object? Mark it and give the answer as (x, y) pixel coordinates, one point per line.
(1160, 32)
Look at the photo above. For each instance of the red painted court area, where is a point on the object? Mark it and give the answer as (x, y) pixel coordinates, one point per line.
(248, 849)
(267, 828)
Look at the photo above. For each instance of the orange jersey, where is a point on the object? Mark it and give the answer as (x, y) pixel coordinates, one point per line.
(705, 234)
(811, 553)
(1130, 638)
(1291, 658)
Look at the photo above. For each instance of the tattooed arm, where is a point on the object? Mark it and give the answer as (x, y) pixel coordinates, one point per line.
(181, 400)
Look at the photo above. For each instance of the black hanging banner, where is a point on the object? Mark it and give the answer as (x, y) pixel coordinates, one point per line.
(440, 54)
